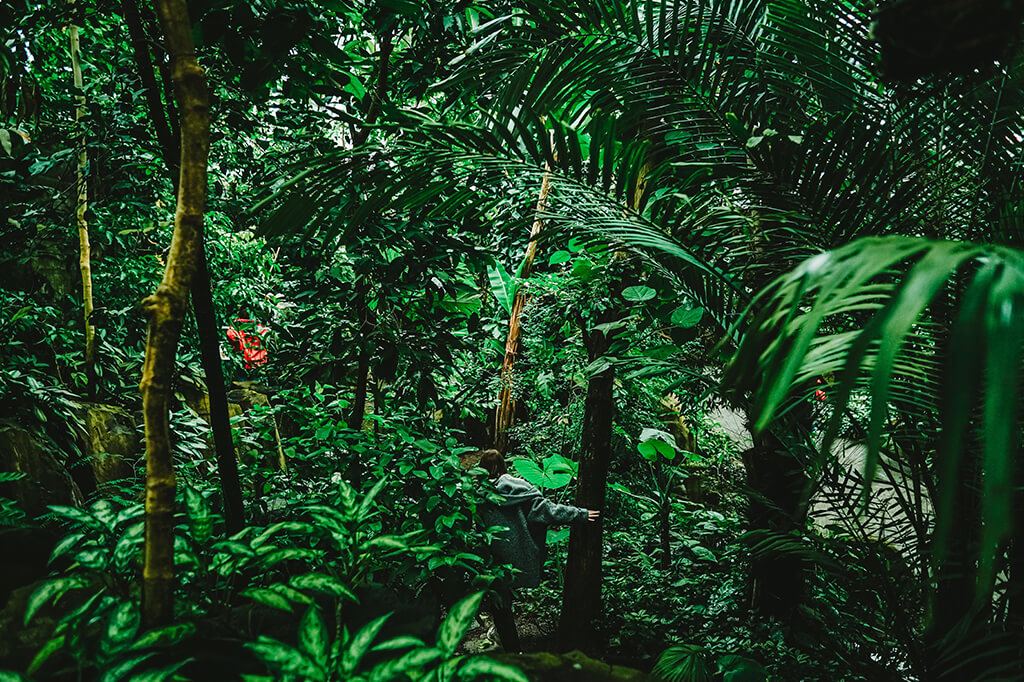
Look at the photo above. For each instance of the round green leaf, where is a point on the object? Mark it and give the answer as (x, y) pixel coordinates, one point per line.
(686, 317)
(559, 257)
(639, 293)
(582, 270)
(648, 450)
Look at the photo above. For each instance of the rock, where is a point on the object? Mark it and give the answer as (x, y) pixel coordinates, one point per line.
(248, 394)
(46, 480)
(196, 398)
(111, 442)
(50, 264)
(468, 460)
(574, 666)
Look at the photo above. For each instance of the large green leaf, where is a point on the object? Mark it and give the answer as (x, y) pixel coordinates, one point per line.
(554, 472)
(458, 622)
(487, 668)
(52, 589)
(503, 286)
(313, 637)
(904, 293)
(361, 643)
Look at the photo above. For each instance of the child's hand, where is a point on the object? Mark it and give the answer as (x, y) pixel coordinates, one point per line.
(593, 515)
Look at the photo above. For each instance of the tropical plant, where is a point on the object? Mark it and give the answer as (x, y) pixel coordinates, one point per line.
(760, 131)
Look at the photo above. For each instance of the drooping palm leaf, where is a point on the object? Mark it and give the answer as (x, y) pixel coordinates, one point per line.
(873, 305)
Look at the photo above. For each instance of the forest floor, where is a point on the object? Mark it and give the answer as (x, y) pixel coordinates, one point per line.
(534, 635)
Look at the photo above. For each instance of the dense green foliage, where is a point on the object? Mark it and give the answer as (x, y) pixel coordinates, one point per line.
(757, 214)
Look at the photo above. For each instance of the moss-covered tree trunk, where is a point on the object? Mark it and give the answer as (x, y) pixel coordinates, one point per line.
(168, 138)
(166, 309)
(82, 205)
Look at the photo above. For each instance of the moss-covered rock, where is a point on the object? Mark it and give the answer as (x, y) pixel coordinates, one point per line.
(574, 666)
(112, 443)
(46, 479)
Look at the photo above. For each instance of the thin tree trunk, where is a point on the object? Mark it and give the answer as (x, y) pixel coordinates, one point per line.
(355, 417)
(220, 422)
(664, 514)
(84, 258)
(167, 135)
(581, 600)
(1015, 586)
(957, 610)
(505, 413)
(169, 140)
(166, 309)
(378, 402)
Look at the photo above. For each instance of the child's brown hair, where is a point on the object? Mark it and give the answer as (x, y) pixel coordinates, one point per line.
(494, 462)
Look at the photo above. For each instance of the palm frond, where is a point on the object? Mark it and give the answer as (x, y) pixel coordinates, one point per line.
(897, 342)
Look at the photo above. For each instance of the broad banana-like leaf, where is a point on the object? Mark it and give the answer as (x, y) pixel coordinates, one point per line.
(503, 286)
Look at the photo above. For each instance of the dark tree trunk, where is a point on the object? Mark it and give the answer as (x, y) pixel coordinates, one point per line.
(1015, 587)
(167, 135)
(957, 612)
(355, 417)
(581, 600)
(664, 514)
(366, 328)
(220, 421)
(777, 481)
(1014, 621)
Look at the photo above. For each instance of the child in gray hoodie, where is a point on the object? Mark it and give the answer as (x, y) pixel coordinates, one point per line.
(526, 514)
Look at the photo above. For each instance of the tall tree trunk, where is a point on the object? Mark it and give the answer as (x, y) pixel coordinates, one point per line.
(1015, 560)
(220, 421)
(1015, 585)
(664, 484)
(777, 482)
(167, 135)
(581, 599)
(166, 308)
(81, 206)
(169, 141)
(957, 611)
(505, 412)
(355, 417)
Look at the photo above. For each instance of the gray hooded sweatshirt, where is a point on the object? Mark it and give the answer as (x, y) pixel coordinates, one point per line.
(526, 514)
